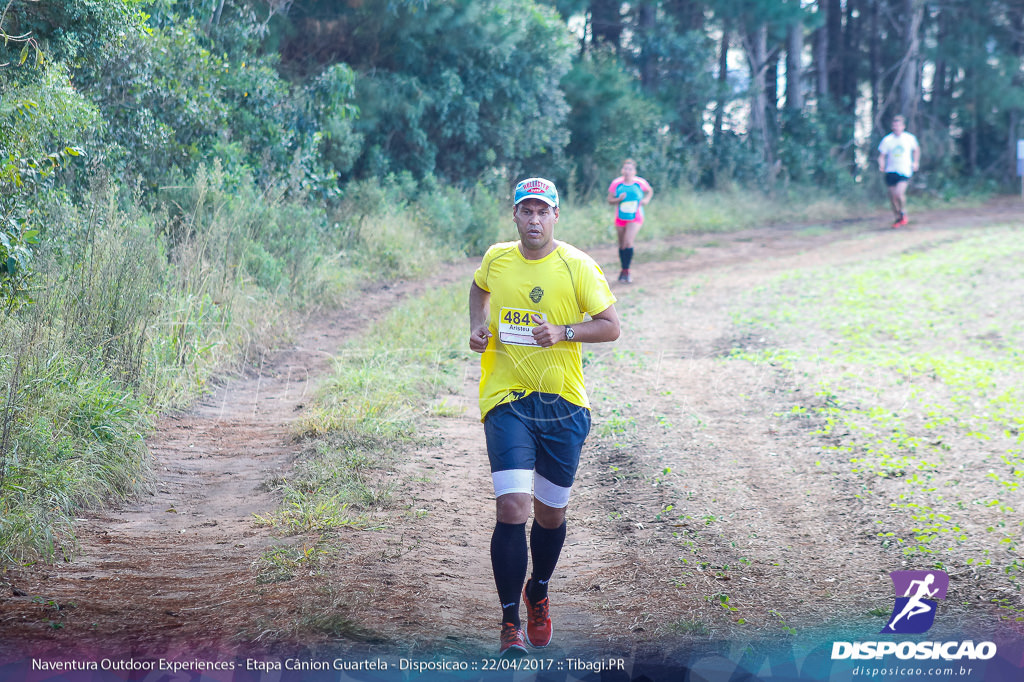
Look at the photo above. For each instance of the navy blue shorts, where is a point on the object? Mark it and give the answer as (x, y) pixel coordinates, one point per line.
(893, 179)
(536, 440)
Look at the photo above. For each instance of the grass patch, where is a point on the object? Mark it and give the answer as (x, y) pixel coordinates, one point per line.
(280, 563)
(680, 211)
(687, 628)
(136, 311)
(69, 439)
(667, 253)
(369, 411)
(131, 313)
(915, 364)
(375, 394)
(327, 611)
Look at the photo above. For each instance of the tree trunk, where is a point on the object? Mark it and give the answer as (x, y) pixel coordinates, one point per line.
(913, 12)
(646, 22)
(771, 94)
(689, 14)
(606, 22)
(215, 19)
(875, 65)
(756, 42)
(1014, 124)
(821, 58)
(723, 88)
(834, 56)
(972, 134)
(851, 59)
(1011, 145)
(795, 67)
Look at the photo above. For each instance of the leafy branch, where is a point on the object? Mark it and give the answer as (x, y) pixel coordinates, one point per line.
(29, 43)
(17, 235)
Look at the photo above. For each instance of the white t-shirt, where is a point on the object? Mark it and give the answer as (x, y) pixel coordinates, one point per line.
(898, 150)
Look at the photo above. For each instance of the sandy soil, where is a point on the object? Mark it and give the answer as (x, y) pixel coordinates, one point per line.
(704, 519)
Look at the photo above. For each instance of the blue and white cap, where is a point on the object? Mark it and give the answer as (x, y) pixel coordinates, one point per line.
(537, 188)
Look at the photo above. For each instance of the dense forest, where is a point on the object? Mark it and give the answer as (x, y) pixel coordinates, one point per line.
(172, 170)
(327, 93)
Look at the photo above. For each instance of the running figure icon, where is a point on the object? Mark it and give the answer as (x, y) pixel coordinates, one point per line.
(915, 606)
(915, 603)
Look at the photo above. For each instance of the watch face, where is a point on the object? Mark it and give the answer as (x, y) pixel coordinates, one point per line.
(569, 334)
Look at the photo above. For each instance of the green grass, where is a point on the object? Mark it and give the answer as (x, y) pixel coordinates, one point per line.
(370, 410)
(132, 312)
(280, 563)
(916, 365)
(383, 381)
(677, 212)
(686, 628)
(71, 439)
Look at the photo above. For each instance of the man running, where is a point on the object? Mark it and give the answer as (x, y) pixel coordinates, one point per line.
(899, 157)
(528, 308)
(629, 193)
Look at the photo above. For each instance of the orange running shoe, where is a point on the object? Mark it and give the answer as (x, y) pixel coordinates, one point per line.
(538, 621)
(513, 641)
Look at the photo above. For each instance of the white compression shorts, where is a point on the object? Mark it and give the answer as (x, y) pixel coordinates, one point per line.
(527, 481)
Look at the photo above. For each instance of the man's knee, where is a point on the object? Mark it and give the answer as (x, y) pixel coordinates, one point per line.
(548, 517)
(513, 507)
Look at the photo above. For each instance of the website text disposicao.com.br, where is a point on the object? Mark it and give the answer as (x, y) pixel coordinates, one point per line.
(904, 672)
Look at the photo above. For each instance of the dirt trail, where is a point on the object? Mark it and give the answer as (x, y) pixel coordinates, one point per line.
(173, 572)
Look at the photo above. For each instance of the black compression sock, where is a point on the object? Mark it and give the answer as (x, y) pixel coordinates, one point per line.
(545, 548)
(627, 258)
(509, 559)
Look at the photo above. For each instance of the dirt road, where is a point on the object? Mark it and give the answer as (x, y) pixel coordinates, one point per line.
(697, 515)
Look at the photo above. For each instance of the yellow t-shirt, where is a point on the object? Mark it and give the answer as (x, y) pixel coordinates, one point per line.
(560, 287)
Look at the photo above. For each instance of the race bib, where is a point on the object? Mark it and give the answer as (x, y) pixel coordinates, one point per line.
(515, 326)
(629, 208)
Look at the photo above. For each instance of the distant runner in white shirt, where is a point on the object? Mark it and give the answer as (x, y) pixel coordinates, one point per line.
(899, 157)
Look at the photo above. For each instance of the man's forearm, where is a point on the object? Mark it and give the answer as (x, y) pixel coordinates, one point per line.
(595, 331)
(601, 328)
(479, 301)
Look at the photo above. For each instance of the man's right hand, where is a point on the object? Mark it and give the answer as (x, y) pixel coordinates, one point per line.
(478, 339)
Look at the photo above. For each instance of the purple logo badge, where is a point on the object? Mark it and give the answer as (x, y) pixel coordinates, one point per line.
(916, 594)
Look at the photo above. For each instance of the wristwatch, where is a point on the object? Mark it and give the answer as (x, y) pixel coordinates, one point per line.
(569, 333)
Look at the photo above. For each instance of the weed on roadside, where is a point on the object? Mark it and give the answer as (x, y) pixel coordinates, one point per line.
(686, 628)
(281, 562)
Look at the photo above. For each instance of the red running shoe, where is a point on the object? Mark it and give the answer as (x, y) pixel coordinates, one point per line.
(513, 641)
(538, 621)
